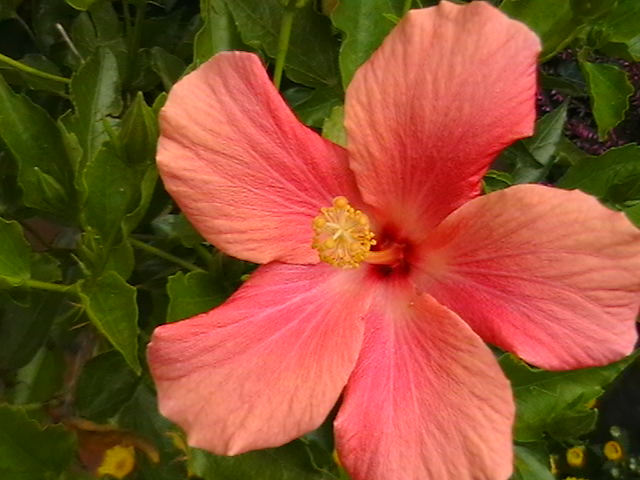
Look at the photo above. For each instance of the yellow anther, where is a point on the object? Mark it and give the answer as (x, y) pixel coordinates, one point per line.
(341, 202)
(341, 234)
(613, 450)
(319, 222)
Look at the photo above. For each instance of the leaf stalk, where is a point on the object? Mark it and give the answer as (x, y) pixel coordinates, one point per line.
(32, 71)
(50, 287)
(165, 255)
(283, 44)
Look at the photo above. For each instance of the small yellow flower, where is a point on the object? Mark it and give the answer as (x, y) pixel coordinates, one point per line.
(613, 450)
(118, 461)
(576, 457)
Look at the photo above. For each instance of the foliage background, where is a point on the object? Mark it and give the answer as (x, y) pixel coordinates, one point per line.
(94, 254)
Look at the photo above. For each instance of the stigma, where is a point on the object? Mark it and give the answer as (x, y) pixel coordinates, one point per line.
(342, 235)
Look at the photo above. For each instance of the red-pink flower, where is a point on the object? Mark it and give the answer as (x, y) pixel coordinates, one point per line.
(413, 281)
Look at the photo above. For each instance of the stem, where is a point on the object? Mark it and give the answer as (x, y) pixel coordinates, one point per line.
(162, 254)
(407, 6)
(24, 25)
(33, 71)
(51, 287)
(205, 255)
(68, 41)
(127, 17)
(283, 45)
(135, 35)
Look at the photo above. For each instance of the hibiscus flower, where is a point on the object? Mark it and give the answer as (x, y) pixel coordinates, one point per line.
(383, 267)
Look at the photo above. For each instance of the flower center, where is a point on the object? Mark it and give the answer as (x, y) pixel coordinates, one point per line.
(342, 235)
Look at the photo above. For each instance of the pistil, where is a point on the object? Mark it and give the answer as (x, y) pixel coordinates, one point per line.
(388, 256)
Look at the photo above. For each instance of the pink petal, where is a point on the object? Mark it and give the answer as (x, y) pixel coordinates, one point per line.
(268, 365)
(247, 173)
(548, 274)
(427, 400)
(448, 89)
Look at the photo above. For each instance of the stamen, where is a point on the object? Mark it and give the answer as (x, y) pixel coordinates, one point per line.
(342, 235)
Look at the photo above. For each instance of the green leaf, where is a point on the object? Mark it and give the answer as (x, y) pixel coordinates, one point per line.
(15, 254)
(99, 27)
(30, 452)
(548, 131)
(141, 76)
(95, 92)
(24, 327)
(36, 144)
(218, 32)
(41, 379)
(16, 76)
(633, 47)
(118, 181)
(633, 214)
(139, 136)
(333, 126)
(313, 107)
(609, 90)
(541, 147)
(107, 24)
(591, 8)
(10, 194)
(568, 153)
(139, 132)
(141, 415)
(532, 463)
(191, 294)
(495, 180)
(45, 267)
(177, 228)
(108, 188)
(145, 193)
(289, 462)
(81, 4)
(76, 475)
(620, 27)
(313, 63)
(83, 36)
(622, 21)
(8, 8)
(70, 141)
(553, 20)
(168, 67)
(365, 25)
(568, 81)
(601, 176)
(93, 400)
(111, 306)
(556, 403)
(120, 259)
